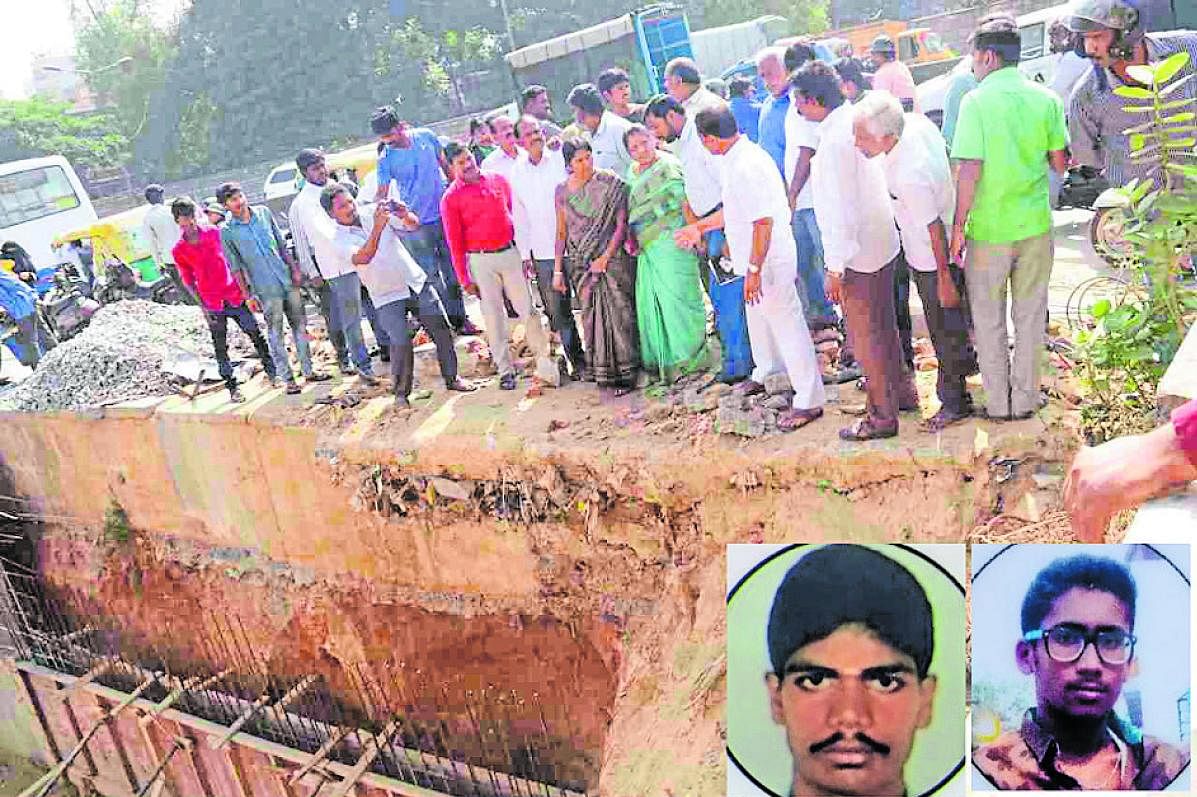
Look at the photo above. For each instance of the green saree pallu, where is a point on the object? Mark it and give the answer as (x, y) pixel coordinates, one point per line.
(670, 312)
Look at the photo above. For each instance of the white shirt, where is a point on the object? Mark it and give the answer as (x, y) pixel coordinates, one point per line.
(533, 201)
(753, 190)
(609, 150)
(1070, 68)
(699, 168)
(313, 231)
(921, 189)
(852, 204)
(161, 233)
(499, 162)
(393, 274)
(800, 132)
(702, 99)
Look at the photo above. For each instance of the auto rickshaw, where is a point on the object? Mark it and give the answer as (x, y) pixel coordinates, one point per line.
(118, 237)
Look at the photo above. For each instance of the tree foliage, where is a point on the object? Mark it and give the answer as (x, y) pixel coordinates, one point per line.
(39, 126)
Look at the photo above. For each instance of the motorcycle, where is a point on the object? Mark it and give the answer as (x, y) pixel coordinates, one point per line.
(68, 307)
(121, 282)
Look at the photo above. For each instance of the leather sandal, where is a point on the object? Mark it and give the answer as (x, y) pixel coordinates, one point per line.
(795, 419)
(866, 429)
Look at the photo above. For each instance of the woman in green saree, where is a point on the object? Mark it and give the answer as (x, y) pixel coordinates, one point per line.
(670, 312)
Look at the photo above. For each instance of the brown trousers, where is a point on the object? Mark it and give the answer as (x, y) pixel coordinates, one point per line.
(872, 321)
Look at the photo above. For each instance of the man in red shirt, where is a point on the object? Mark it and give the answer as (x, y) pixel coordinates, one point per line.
(199, 256)
(476, 213)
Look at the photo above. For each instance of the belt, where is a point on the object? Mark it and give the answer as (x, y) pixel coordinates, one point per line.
(509, 245)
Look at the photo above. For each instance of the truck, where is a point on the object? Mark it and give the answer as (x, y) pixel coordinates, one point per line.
(914, 45)
(641, 42)
(717, 49)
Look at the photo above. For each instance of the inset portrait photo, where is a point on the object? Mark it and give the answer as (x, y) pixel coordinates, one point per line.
(846, 670)
(1080, 668)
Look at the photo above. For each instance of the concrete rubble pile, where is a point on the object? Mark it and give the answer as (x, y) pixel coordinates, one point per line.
(119, 357)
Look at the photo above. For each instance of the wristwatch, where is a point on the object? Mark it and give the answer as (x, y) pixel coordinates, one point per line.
(754, 269)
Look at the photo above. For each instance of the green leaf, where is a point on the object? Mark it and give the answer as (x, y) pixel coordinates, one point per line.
(1176, 118)
(1134, 92)
(1143, 73)
(1138, 141)
(1101, 308)
(1167, 69)
(1138, 189)
(1164, 92)
(1184, 143)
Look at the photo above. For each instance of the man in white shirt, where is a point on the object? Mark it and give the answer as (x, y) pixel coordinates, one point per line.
(367, 240)
(919, 177)
(669, 121)
(605, 128)
(534, 181)
(502, 159)
(860, 247)
(312, 231)
(162, 233)
(756, 220)
(683, 82)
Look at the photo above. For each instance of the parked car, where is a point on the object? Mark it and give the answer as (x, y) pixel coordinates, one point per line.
(283, 181)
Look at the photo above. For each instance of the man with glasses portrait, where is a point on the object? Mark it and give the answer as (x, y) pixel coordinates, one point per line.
(1078, 643)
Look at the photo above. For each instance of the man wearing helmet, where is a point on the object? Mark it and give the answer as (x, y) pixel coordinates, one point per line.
(1114, 40)
(892, 75)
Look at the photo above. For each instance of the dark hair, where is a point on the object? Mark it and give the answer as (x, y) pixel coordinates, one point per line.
(571, 146)
(182, 206)
(818, 81)
(330, 193)
(490, 121)
(661, 105)
(610, 78)
(849, 71)
(453, 149)
(685, 70)
(476, 124)
(740, 86)
(716, 121)
(306, 158)
(154, 190)
(384, 120)
(530, 93)
(587, 99)
(634, 130)
(798, 54)
(525, 117)
(1083, 572)
(227, 190)
(998, 34)
(840, 585)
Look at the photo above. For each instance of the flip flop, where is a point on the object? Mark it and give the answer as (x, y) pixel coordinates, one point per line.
(795, 419)
(864, 429)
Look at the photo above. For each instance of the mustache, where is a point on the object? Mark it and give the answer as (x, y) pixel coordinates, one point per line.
(877, 747)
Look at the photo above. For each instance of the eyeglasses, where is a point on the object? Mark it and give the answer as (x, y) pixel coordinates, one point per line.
(1066, 644)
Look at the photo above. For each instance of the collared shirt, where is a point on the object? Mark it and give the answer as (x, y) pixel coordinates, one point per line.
(1010, 124)
(894, 77)
(202, 268)
(17, 298)
(161, 232)
(533, 194)
(499, 162)
(254, 248)
(852, 205)
(1184, 422)
(748, 116)
(702, 99)
(801, 133)
(609, 150)
(961, 84)
(1096, 119)
(393, 274)
(477, 217)
(753, 190)
(312, 231)
(700, 170)
(1026, 759)
(919, 178)
(773, 129)
(417, 171)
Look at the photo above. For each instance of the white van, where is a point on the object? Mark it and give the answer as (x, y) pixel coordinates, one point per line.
(283, 181)
(40, 199)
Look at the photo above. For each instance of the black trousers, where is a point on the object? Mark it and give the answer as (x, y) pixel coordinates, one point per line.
(427, 307)
(559, 307)
(218, 325)
(902, 273)
(949, 335)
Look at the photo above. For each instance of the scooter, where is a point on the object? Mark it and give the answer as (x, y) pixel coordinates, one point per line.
(66, 309)
(122, 283)
(1107, 228)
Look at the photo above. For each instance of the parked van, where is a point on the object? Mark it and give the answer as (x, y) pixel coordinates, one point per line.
(40, 199)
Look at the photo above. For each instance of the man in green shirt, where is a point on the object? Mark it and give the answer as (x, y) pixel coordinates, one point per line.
(1009, 129)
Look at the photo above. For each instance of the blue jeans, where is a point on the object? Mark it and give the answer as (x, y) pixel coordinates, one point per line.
(427, 245)
(810, 265)
(32, 340)
(347, 316)
(289, 310)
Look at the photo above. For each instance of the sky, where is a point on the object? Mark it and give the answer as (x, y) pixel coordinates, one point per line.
(42, 27)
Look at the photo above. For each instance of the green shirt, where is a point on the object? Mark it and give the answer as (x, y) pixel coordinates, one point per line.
(1010, 124)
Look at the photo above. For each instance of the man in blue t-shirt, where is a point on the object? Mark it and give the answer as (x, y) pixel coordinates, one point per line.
(771, 67)
(412, 158)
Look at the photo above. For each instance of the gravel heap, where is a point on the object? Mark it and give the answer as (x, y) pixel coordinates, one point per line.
(119, 357)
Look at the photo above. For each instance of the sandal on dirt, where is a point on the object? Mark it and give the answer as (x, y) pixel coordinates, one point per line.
(943, 419)
(795, 419)
(864, 429)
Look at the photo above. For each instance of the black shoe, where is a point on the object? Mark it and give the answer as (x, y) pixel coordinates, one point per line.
(507, 382)
(293, 389)
(369, 380)
(460, 386)
(235, 395)
(385, 354)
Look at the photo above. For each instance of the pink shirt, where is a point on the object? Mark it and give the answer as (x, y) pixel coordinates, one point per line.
(895, 77)
(1184, 421)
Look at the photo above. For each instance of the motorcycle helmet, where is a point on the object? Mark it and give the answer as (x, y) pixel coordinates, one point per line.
(1086, 16)
(884, 45)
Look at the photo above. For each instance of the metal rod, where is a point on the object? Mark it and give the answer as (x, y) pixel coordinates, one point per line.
(88, 677)
(179, 743)
(321, 754)
(245, 717)
(367, 758)
(191, 684)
